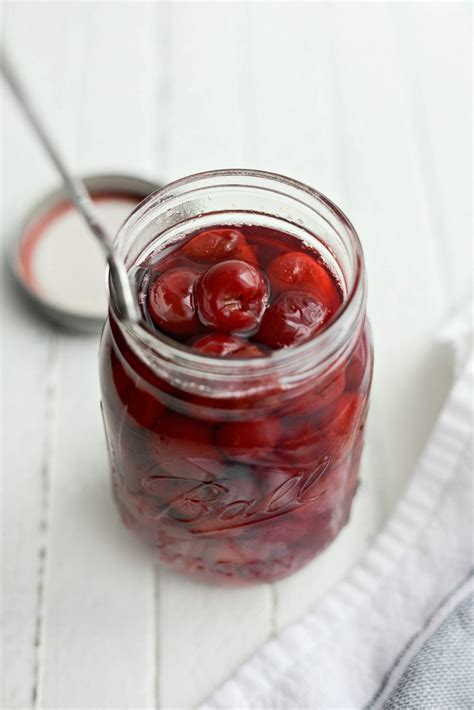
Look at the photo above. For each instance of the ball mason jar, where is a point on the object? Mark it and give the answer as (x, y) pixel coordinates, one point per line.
(250, 514)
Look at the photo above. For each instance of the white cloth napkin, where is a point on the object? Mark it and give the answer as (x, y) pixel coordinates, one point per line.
(397, 633)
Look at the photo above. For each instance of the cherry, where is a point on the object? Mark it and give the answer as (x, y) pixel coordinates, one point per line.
(302, 442)
(226, 346)
(330, 432)
(144, 408)
(177, 439)
(299, 271)
(294, 318)
(348, 415)
(136, 365)
(219, 409)
(215, 245)
(171, 302)
(140, 404)
(246, 441)
(319, 396)
(231, 296)
(329, 390)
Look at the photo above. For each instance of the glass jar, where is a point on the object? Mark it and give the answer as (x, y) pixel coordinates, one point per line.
(254, 512)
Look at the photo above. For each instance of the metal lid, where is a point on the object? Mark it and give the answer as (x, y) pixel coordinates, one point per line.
(57, 261)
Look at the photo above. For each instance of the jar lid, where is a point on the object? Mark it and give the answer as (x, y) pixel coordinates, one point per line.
(56, 260)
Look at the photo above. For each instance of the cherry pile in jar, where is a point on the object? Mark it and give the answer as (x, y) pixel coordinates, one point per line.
(238, 292)
(239, 489)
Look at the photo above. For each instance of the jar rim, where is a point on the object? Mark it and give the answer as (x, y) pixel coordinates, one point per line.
(184, 356)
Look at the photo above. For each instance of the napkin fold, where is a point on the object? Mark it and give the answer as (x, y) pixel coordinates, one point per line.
(399, 632)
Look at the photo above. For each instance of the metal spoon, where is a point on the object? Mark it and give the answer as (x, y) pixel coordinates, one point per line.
(123, 294)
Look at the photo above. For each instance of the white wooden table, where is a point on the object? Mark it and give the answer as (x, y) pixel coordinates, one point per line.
(367, 102)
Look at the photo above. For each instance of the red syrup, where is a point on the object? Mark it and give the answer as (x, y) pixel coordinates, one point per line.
(238, 489)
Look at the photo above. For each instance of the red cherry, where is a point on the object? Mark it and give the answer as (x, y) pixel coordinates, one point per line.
(215, 245)
(294, 318)
(303, 443)
(249, 440)
(177, 440)
(347, 414)
(144, 408)
(140, 404)
(329, 432)
(298, 271)
(231, 296)
(137, 366)
(329, 390)
(171, 301)
(226, 346)
(319, 396)
(220, 409)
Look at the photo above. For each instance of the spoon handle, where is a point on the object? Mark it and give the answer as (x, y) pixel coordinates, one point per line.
(123, 295)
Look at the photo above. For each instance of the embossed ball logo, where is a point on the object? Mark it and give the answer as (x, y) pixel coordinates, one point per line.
(210, 506)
